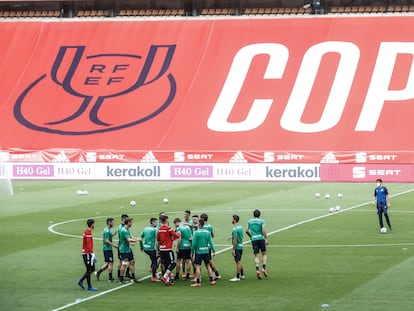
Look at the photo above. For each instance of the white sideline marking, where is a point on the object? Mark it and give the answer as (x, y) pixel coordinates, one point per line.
(331, 245)
(51, 229)
(340, 245)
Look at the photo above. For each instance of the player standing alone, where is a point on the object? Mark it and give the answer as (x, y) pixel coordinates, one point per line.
(88, 255)
(256, 230)
(382, 201)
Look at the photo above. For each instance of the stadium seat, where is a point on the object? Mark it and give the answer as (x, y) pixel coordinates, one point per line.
(354, 9)
(275, 11)
(382, 9)
(404, 8)
(397, 8)
(261, 11)
(267, 11)
(362, 9)
(391, 9)
(367, 9)
(338, 10)
(251, 11)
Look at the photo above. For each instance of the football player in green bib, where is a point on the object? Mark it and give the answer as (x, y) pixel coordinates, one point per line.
(237, 251)
(183, 249)
(149, 236)
(201, 248)
(256, 230)
(107, 250)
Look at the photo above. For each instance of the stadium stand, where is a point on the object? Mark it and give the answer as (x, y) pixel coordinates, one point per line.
(224, 11)
(179, 8)
(151, 12)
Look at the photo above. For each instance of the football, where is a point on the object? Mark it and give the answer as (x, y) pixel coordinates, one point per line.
(132, 203)
(383, 230)
(165, 200)
(340, 195)
(327, 196)
(332, 210)
(317, 195)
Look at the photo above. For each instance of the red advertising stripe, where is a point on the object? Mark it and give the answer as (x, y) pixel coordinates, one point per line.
(291, 84)
(204, 156)
(367, 172)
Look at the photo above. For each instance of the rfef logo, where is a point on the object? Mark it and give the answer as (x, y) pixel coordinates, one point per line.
(86, 84)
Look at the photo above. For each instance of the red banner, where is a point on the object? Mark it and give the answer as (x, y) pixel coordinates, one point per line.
(202, 156)
(367, 172)
(294, 90)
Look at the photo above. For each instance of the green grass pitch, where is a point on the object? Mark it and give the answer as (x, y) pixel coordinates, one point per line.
(316, 260)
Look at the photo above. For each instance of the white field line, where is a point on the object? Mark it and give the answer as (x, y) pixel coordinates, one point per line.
(51, 229)
(91, 297)
(340, 245)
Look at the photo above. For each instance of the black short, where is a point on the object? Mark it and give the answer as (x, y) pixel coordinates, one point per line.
(108, 255)
(199, 258)
(259, 246)
(129, 256)
(167, 258)
(184, 254)
(238, 255)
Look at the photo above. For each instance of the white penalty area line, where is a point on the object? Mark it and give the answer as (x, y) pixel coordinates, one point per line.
(51, 229)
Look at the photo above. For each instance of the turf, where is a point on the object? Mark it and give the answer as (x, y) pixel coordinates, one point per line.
(315, 257)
